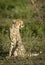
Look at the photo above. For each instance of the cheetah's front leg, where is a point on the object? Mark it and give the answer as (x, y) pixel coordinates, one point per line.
(11, 48)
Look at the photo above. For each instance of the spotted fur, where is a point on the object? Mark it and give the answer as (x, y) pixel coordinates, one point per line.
(17, 47)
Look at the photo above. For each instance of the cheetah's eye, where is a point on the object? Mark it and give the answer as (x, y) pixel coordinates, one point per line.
(22, 25)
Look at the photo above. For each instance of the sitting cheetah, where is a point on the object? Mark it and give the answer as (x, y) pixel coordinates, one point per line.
(17, 48)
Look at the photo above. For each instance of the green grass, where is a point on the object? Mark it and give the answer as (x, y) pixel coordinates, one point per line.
(39, 60)
(33, 33)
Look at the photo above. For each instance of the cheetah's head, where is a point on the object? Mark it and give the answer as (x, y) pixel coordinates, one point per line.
(18, 23)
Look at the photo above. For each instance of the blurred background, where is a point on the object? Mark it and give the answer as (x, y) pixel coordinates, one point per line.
(32, 12)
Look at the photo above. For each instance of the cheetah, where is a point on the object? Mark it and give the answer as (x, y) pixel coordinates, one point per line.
(16, 47)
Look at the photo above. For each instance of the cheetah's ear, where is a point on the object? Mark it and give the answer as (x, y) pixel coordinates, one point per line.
(14, 21)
